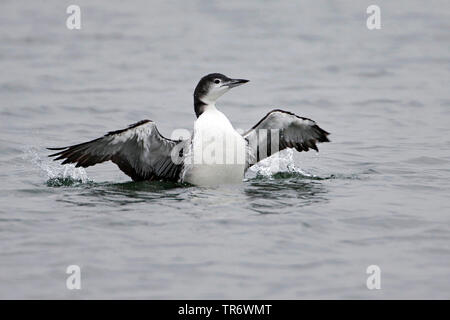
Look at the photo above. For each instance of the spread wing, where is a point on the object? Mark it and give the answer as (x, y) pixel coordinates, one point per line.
(140, 151)
(279, 130)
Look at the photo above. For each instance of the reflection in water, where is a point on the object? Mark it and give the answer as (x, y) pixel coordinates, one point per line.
(279, 193)
(267, 191)
(276, 194)
(120, 194)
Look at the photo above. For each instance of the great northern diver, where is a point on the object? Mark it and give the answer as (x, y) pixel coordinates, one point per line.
(215, 153)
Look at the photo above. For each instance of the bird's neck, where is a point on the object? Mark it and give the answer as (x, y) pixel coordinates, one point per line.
(201, 106)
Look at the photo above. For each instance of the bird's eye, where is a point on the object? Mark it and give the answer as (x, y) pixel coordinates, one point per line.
(217, 81)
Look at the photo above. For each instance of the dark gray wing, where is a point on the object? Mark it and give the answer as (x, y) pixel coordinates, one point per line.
(140, 151)
(279, 130)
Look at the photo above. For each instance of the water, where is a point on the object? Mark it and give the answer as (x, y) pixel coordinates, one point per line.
(378, 194)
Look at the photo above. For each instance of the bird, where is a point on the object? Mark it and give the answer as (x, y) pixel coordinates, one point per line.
(214, 154)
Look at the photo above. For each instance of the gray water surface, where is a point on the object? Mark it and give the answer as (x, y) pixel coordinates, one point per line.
(378, 194)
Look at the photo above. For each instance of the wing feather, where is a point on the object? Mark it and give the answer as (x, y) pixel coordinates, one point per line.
(140, 151)
(279, 130)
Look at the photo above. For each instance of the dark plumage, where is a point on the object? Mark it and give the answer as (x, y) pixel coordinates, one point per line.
(142, 153)
(205, 85)
(202, 89)
(291, 131)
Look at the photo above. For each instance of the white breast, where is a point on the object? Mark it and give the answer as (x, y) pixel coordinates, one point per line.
(217, 154)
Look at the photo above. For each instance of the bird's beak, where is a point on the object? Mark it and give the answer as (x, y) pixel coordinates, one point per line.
(234, 83)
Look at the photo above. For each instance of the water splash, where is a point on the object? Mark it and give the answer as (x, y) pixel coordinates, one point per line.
(55, 174)
(279, 163)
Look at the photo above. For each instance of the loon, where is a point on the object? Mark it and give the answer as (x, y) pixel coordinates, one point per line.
(214, 154)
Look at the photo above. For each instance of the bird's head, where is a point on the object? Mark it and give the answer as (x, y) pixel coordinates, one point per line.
(213, 86)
